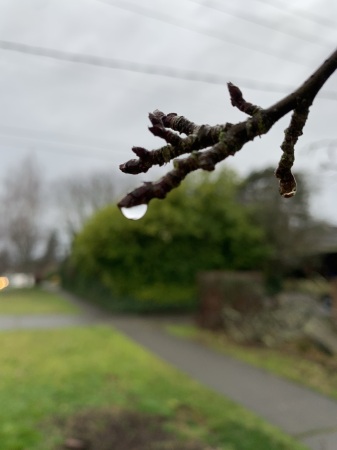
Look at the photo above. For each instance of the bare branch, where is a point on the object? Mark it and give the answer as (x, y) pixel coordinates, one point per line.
(209, 145)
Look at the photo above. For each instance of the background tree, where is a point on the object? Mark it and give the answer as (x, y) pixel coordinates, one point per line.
(21, 200)
(199, 227)
(78, 197)
(289, 227)
(5, 260)
(50, 257)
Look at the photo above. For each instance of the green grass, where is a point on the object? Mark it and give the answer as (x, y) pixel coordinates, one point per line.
(319, 374)
(33, 301)
(59, 372)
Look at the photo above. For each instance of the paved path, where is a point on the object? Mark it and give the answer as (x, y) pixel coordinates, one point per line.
(310, 417)
(88, 315)
(305, 414)
(17, 322)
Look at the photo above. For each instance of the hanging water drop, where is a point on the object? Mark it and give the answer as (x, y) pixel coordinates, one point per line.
(134, 213)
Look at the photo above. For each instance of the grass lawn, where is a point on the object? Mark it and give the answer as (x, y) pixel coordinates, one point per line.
(56, 373)
(307, 366)
(33, 301)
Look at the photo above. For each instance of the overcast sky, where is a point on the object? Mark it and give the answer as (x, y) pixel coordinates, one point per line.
(80, 113)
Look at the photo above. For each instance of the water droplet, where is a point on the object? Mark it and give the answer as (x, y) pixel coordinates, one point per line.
(134, 213)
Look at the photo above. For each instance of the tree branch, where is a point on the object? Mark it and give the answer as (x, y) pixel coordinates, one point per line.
(208, 145)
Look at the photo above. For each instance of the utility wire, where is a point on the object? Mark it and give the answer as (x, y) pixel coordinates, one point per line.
(151, 69)
(246, 16)
(29, 136)
(80, 154)
(60, 138)
(224, 37)
(302, 14)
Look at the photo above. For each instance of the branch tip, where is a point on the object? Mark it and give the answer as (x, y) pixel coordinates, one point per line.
(140, 152)
(239, 102)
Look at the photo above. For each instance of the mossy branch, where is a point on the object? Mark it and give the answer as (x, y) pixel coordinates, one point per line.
(208, 145)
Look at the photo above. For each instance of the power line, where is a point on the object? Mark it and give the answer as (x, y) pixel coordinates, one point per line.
(60, 138)
(80, 154)
(246, 16)
(150, 69)
(303, 14)
(28, 136)
(224, 37)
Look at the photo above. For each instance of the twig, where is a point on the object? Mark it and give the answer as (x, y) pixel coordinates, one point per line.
(209, 145)
(283, 172)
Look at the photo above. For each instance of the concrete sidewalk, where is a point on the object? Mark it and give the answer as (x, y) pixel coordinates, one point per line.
(87, 315)
(17, 322)
(300, 412)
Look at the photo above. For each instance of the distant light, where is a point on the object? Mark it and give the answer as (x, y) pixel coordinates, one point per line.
(4, 282)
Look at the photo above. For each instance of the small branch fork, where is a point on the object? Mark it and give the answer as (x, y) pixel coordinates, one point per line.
(207, 145)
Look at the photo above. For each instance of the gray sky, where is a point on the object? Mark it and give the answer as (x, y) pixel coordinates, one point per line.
(77, 114)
